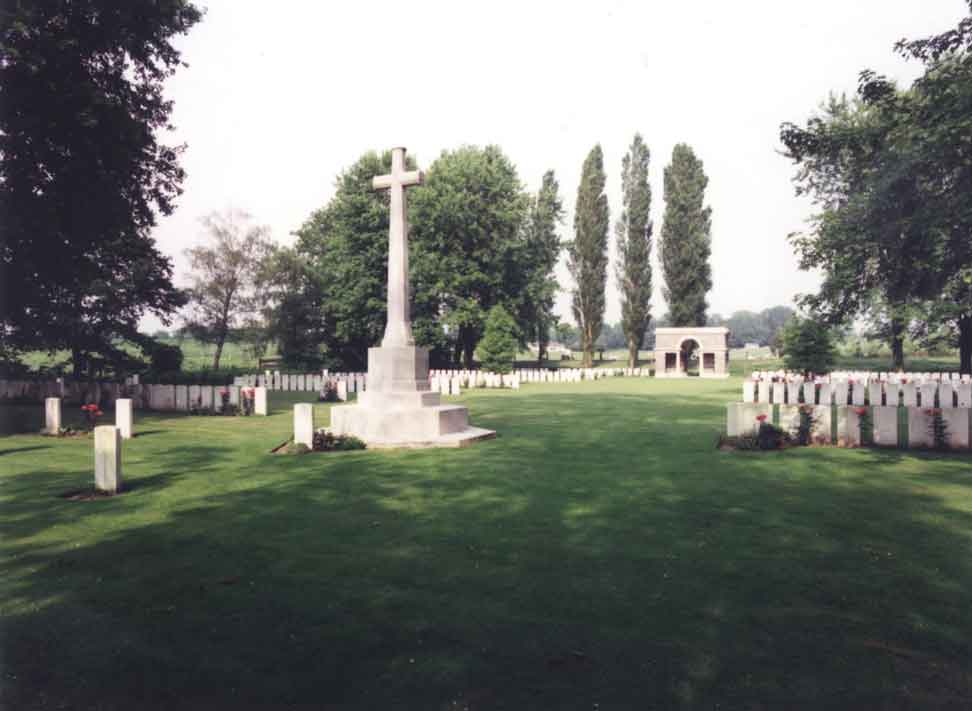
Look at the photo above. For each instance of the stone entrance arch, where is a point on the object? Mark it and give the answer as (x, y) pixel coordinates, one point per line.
(713, 351)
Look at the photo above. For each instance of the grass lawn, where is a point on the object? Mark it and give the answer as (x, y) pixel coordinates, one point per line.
(599, 554)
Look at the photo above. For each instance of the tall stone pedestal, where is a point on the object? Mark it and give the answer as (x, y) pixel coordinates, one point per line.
(400, 410)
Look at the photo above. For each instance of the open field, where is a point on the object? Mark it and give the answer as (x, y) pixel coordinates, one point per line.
(600, 553)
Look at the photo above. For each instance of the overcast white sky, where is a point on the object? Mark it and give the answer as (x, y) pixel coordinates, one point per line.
(279, 97)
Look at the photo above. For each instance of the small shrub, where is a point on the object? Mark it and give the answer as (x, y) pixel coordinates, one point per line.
(807, 346)
(165, 358)
(500, 341)
(747, 442)
(247, 396)
(938, 428)
(807, 422)
(329, 392)
(865, 427)
(324, 441)
(91, 414)
(770, 436)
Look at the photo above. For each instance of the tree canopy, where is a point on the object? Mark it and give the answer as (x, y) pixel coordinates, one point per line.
(685, 239)
(83, 173)
(634, 247)
(587, 254)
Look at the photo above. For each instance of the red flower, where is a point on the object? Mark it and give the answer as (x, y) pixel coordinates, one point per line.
(931, 412)
(99, 413)
(861, 411)
(760, 418)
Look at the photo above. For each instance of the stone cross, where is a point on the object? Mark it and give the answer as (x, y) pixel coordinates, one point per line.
(398, 328)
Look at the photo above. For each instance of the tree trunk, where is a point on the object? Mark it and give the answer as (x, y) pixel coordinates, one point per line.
(965, 344)
(77, 363)
(541, 342)
(219, 350)
(897, 343)
(632, 353)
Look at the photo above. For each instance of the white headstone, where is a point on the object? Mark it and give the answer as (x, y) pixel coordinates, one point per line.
(910, 393)
(875, 395)
(779, 390)
(964, 391)
(259, 401)
(108, 469)
(124, 417)
(304, 424)
(946, 394)
(809, 393)
(927, 391)
(52, 415)
(342, 390)
(454, 390)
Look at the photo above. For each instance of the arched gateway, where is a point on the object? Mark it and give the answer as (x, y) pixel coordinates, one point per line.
(713, 346)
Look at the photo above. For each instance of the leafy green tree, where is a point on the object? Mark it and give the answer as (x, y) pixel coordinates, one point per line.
(566, 334)
(225, 277)
(498, 346)
(808, 346)
(890, 174)
(341, 302)
(543, 247)
(587, 254)
(83, 175)
(469, 252)
(291, 297)
(634, 247)
(686, 241)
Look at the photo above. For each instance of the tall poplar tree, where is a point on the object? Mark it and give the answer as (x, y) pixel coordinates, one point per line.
(588, 253)
(543, 247)
(685, 239)
(634, 247)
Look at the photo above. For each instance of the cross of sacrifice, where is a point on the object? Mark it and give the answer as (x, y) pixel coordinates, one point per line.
(398, 328)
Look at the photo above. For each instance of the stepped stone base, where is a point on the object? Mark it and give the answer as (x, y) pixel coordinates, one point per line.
(400, 410)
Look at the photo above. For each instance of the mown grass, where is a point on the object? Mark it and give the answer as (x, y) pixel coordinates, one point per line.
(600, 553)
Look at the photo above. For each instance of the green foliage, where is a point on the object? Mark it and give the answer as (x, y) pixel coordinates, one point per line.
(808, 346)
(769, 436)
(804, 434)
(83, 176)
(542, 251)
(938, 428)
(324, 441)
(890, 173)
(165, 358)
(340, 301)
(470, 251)
(498, 347)
(292, 296)
(225, 277)
(634, 247)
(587, 254)
(686, 243)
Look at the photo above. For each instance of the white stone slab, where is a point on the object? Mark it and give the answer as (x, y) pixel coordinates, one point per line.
(206, 396)
(108, 467)
(825, 394)
(919, 427)
(765, 389)
(875, 394)
(809, 393)
(793, 392)
(927, 392)
(957, 427)
(885, 420)
(909, 392)
(964, 393)
(779, 393)
(342, 390)
(259, 401)
(841, 392)
(858, 393)
(52, 415)
(741, 417)
(124, 418)
(946, 395)
(304, 424)
(748, 391)
(821, 432)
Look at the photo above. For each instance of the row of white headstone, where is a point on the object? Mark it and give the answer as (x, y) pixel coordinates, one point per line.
(124, 416)
(303, 382)
(745, 418)
(944, 394)
(857, 376)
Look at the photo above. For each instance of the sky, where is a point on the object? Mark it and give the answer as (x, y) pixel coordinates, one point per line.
(279, 98)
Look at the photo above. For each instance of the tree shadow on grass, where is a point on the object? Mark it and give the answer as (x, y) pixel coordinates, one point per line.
(560, 567)
(18, 450)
